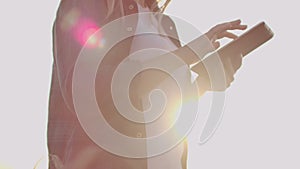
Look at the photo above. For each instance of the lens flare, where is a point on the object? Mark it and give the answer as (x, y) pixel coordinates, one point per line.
(85, 30)
(70, 19)
(176, 109)
(88, 33)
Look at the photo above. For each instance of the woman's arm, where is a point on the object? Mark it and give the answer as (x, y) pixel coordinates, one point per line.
(193, 54)
(72, 17)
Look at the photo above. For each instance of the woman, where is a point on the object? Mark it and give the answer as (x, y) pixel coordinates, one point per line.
(70, 146)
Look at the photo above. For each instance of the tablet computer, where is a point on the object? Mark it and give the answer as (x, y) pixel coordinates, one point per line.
(244, 44)
(248, 41)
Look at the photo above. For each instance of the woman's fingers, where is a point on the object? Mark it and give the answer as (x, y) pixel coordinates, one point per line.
(233, 25)
(228, 26)
(231, 64)
(224, 27)
(227, 35)
(221, 31)
(236, 61)
(216, 44)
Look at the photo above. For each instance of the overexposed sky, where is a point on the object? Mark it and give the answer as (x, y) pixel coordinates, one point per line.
(261, 121)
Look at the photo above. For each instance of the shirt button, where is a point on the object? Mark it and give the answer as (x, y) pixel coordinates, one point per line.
(171, 27)
(131, 7)
(129, 29)
(139, 135)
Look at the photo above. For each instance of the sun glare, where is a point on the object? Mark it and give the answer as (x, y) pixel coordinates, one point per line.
(85, 31)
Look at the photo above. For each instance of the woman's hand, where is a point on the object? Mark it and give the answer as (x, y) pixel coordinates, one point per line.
(230, 63)
(221, 31)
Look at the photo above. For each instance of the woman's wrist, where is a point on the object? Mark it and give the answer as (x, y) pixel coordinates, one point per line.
(201, 46)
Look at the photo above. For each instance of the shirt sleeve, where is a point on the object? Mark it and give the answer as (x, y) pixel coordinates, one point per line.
(74, 19)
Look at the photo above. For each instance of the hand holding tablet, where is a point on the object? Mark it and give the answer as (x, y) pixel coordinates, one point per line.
(231, 56)
(248, 41)
(231, 52)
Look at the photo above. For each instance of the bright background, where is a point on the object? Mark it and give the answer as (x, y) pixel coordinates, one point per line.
(260, 127)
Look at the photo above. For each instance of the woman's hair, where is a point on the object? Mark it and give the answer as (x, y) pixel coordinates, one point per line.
(153, 5)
